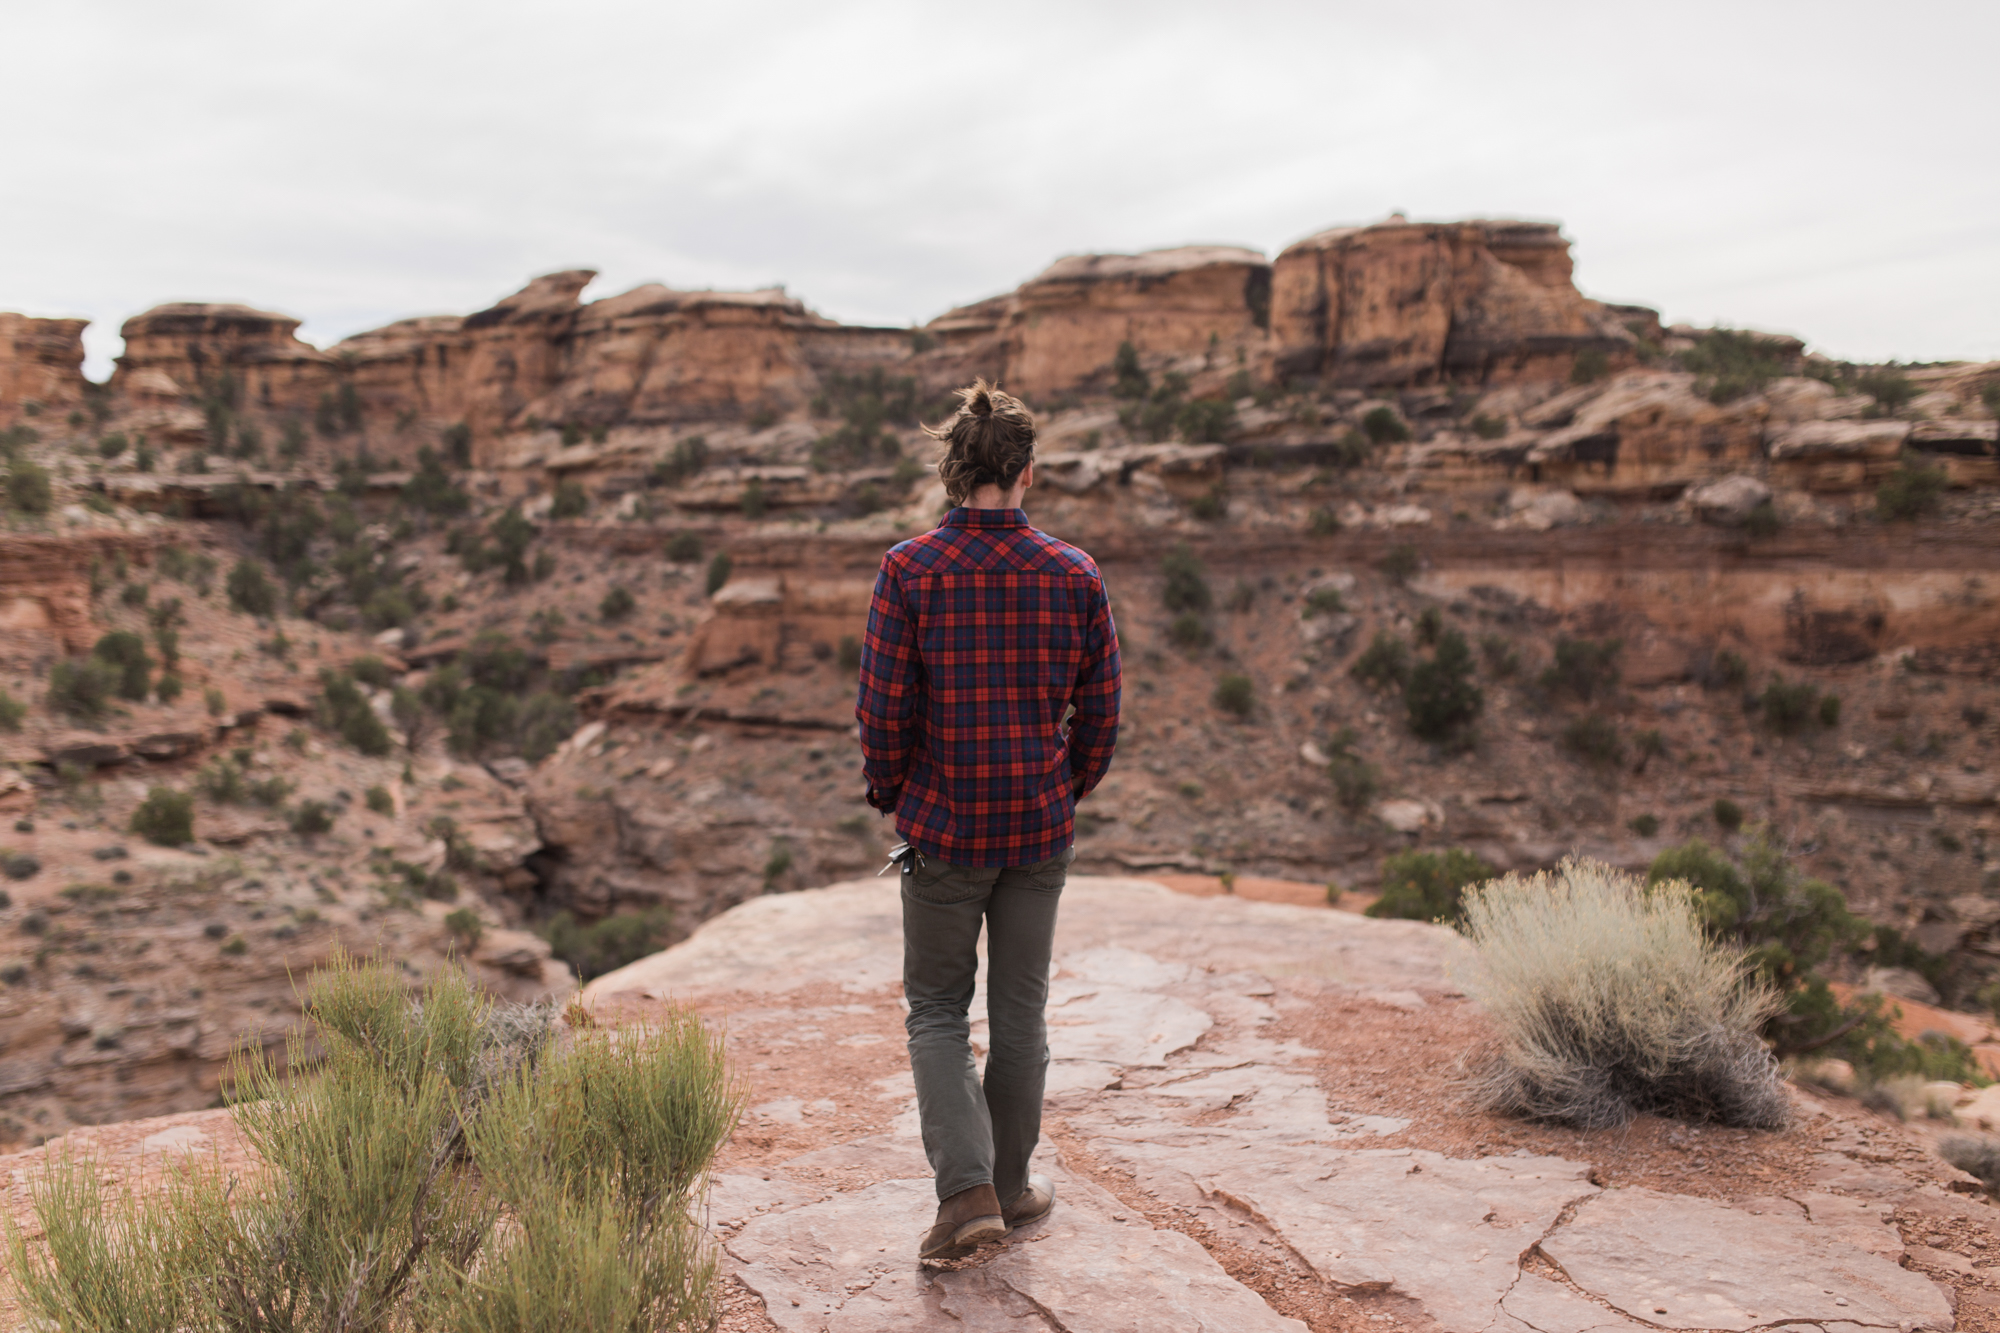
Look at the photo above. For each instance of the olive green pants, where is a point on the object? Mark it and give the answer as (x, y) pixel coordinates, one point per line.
(979, 1133)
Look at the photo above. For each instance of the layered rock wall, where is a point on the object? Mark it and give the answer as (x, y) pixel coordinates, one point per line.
(41, 362)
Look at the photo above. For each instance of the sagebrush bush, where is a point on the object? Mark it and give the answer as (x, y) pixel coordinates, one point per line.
(1612, 1000)
(1186, 587)
(1235, 694)
(1439, 696)
(1911, 492)
(608, 944)
(1384, 662)
(447, 1164)
(165, 818)
(1975, 1154)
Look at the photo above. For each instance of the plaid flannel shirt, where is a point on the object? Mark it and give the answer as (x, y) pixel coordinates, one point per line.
(981, 634)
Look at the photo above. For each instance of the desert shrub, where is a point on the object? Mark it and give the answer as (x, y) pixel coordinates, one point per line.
(221, 779)
(12, 711)
(214, 700)
(344, 710)
(1593, 738)
(1612, 1001)
(1976, 1155)
(1732, 363)
(17, 865)
(1489, 427)
(608, 944)
(165, 818)
(547, 719)
(82, 688)
(1503, 659)
(1591, 365)
(1724, 670)
(511, 532)
(379, 801)
(465, 926)
(1584, 668)
(1439, 696)
(1829, 710)
(1651, 745)
(312, 818)
(1235, 694)
(1430, 624)
(1400, 563)
(617, 604)
(28, 488)
(429, 1120)
(1206, 420)
(683, 548)
(1384, 662)
(570, 501)
(1322, 522)
(1762, 521)
(1788, 705)
(847, 655)
(371, 671)
(431, 489)
(1727, 814)
(1889, 387)
(1186, 586)
(1645, 825)
(1428, 886)
(755, 501)
(169, 687)
(250, 591)
(1355, 781)
(1211, 504)
(1190, 631)
(718, 572)
(125, 653)
(1382, 426)
(1322, 602)
(1910, 492)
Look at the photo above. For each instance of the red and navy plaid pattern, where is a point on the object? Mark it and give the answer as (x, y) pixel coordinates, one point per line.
(980, 635)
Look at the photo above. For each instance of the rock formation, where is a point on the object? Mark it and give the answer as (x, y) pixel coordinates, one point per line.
(41, 362)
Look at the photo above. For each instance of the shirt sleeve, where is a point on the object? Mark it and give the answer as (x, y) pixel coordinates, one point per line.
(1094, 730)
(891, 683)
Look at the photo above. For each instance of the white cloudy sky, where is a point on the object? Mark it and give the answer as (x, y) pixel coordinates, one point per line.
(1825, 168)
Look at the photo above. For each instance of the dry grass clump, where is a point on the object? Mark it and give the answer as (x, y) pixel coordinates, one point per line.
(449, 1165)
(1612, 1000)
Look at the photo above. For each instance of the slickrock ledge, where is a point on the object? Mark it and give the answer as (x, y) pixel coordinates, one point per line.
(1170, 1102)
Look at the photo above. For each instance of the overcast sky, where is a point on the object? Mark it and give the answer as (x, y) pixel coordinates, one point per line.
(1828, 169)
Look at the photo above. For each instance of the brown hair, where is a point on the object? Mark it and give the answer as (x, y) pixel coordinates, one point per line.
(990, 440)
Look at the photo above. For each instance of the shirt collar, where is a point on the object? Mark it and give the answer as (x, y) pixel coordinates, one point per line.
(962, 517)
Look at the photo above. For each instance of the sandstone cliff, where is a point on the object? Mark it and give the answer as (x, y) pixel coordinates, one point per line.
(41, 362)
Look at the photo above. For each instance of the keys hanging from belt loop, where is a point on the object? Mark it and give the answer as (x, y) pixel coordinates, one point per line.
(908, 855)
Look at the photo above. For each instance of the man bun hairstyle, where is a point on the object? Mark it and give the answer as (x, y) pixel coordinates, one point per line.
(990, 440)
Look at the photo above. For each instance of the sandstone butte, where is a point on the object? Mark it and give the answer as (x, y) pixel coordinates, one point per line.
(1402, 429)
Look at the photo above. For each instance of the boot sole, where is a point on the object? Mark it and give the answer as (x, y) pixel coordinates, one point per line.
(963, 1239)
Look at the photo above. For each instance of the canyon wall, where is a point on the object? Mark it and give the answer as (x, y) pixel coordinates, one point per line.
(41, 363)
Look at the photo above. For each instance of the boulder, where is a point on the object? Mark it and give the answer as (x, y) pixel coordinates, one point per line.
(1838, 439)
(1728, 501)
(1900, 982)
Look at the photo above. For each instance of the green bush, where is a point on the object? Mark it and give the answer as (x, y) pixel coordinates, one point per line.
(165, 818)
(494, 1180)
(1889, 387)
(1400, 563)
(83, 688)
(1382, 426)
(755, 500)
(1591, 365)
(607, 944)
(684, 548)
(1206, 420)
(1428, 886)
(687, 459)
(380, 802)
(1211, 504)
(28, 488)
(718, 572)
(1322, 602)
(1732, 363)
(344, 710)
(1789, 706)
(1829, 710)
(1911, 492)
(617, 604)
(431, 488)
(312, 818)
(1584, 668)
(125, 653)
(1612, 1001)
(1235, 694)
(465, 926)
(1186, 587)
(1322, 522)
(1355, 780)
(1489, 427)
(371, 671)
(570, 501)
(1440, 698)
(1503, 659)
(1384, 662)
(547, 719)
(1728, 815)
(249, 591)
(12, 712)
(848, 654)
(1762, 522)
(1593, 738)
(1190, 631)
(214, 700)
(1644, 825)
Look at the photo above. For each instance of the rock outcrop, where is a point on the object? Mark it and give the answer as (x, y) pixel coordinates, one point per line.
(1402, 303)
(41, 362)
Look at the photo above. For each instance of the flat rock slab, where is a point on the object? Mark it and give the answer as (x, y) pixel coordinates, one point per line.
(1678, 1262)
(848, 1266)
(850, 934)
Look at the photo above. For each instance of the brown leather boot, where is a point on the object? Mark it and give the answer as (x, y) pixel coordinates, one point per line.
(1031, 1204)
(965, 1221)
